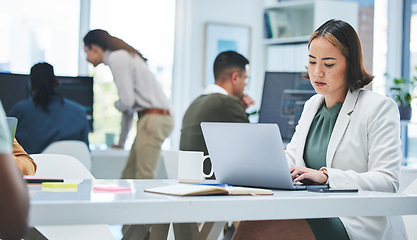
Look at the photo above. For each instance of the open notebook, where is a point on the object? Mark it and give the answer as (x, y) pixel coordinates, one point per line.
(184, 189)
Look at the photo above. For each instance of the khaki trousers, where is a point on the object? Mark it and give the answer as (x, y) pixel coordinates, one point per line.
(152, 130)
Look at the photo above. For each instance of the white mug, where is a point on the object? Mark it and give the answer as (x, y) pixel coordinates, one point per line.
(190, 167)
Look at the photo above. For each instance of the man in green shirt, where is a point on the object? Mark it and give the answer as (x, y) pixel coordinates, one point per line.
(223, 101)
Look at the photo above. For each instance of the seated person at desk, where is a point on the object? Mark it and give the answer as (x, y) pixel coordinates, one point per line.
(24, 162)
(14, 201)
(223, 101)
(347, 137)
(47, 117)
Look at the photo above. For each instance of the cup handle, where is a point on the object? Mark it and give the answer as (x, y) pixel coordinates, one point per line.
(211, 171)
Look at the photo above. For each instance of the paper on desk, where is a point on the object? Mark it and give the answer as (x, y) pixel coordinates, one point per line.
(247, 191)
(48, 189)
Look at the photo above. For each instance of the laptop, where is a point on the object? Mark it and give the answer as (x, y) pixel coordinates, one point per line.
(248, 154)
(12, 122)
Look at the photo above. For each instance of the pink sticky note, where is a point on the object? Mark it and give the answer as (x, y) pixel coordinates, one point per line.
(111, 188)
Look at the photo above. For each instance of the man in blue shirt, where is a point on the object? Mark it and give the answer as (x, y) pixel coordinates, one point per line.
(47, 117)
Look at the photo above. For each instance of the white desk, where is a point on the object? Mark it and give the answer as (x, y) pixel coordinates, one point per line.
(138, 207)
(109, 164)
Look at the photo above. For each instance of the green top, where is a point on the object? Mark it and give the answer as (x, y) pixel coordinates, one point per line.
(215, 107)
(319, 136)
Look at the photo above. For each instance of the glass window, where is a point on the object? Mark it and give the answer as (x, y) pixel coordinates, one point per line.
(413, 39)
(380, 46)
(412, 128)
(146, 25)
(36, 31)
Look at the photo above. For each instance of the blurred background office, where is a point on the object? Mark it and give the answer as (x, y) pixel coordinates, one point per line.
(174, 36)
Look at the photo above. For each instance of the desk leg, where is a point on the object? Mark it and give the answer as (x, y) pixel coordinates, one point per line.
(211, 230)
(159, 232)
(186, 230)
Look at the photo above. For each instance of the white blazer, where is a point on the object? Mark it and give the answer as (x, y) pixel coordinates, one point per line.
(364, 152)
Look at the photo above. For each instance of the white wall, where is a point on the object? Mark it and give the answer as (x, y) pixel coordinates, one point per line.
(191, 17)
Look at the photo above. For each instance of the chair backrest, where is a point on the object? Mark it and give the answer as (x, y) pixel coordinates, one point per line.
(60, 166)
(410, 220)
(67, 167)
(77, 149)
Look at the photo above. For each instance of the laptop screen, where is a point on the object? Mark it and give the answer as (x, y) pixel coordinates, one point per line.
(249, 154)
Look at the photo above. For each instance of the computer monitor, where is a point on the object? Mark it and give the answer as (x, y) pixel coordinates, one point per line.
(13, 88)
(78, 89)
(16, 87)
(283, 98)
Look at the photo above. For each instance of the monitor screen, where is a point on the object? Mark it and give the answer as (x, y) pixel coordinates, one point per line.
(13, 88)
(16, 87)
(78, 89)
(283, 98)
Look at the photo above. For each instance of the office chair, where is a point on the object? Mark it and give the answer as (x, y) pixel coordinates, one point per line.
(68, 167)
(74, 148)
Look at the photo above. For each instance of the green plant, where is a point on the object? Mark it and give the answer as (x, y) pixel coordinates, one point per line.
(403, 91)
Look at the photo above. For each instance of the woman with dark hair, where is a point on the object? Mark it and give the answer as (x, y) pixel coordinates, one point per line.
(105, 41)
(347, 137)
(139, 92)
(43, 84)
(47, 117)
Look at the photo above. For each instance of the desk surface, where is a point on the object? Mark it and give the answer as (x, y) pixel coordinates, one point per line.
(87, 206)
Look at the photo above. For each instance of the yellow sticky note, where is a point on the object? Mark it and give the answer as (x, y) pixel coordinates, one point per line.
(58, 185)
